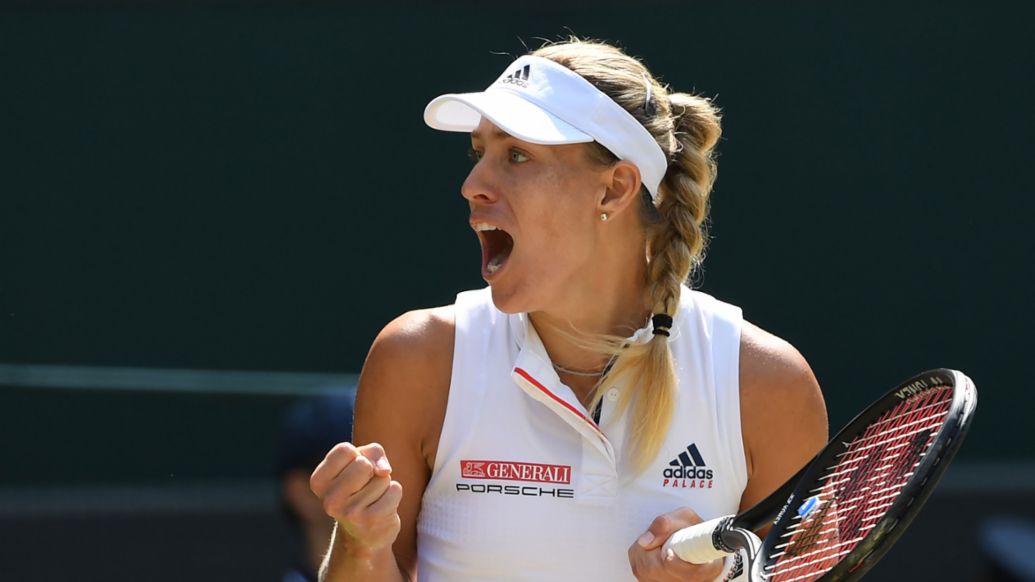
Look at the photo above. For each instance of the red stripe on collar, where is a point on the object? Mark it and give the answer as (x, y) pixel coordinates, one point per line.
(556, 398)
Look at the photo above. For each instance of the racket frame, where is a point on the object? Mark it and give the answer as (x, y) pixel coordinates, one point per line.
(909, 500)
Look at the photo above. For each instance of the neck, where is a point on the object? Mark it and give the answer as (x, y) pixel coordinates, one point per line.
(615, 305)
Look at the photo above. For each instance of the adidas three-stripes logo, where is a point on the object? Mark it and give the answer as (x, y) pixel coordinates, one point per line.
(691, 457)
(518, 77)
(688, 464)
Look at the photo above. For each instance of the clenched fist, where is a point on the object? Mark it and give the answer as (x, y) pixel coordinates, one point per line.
(355, 486)
(651, 564)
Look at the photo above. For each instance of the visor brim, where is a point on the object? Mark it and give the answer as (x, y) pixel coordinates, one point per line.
(516, 116)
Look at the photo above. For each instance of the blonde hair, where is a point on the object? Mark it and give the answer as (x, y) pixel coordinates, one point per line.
(687, 128)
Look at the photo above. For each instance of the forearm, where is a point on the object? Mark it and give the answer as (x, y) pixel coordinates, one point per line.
(347, 564)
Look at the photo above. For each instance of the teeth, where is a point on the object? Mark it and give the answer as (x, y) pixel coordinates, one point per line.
(481, 226)
(494, 265)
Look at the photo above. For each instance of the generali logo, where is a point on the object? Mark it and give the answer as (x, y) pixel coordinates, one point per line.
(515, 471)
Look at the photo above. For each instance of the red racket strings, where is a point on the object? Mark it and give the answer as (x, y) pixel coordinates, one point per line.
(860, 488)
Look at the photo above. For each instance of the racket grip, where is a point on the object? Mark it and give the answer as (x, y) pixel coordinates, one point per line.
(696, 544)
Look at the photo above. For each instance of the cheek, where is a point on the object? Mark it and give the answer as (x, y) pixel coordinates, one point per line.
(564, 201)
(559, 217)
(563, 237)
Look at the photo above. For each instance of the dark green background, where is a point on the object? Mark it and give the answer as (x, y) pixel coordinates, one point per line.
(253, 188)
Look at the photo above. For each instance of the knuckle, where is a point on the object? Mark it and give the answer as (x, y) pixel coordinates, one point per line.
(394, 492)
(661, 523)
(340, 505)
(315, 481)
(372, 451)
(342, 449)
(331, 505)
(363, 465)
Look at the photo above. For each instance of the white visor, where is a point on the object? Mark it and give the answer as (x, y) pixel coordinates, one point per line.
(540, 101)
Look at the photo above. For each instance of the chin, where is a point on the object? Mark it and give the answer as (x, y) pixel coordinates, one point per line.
(505, 301)
(522, 290)
(511, 299)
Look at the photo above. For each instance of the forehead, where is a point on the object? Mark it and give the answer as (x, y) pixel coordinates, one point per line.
(488, 130)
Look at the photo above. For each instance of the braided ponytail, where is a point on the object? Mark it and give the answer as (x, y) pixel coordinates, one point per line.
(687, 128)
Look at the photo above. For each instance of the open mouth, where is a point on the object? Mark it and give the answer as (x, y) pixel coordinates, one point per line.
(497, 245)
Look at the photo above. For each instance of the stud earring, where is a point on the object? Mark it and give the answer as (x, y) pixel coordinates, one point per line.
(603, 216)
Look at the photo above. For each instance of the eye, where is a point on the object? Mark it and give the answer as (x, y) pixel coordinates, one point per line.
(518, 156)
(474, 154)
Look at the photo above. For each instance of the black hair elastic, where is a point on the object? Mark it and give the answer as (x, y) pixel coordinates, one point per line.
(662, 323)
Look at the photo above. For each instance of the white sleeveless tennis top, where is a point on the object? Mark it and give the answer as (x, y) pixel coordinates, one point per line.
(527, 486)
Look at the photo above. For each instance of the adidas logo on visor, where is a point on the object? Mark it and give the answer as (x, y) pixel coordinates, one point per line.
(518, 77)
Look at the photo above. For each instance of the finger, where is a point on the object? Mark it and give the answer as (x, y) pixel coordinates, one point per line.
(336, 460)
(665, 525)
(388, 503)
(354, 476)
(636, 561)
(370, 492)
(376, 453)
(677, 569)
(348, 504)
(658, 565)
(646, 564)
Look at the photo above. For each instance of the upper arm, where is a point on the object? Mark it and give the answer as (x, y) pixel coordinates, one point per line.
(401, 402)
(783, 417)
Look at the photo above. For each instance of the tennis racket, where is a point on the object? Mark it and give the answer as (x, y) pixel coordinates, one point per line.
(838, 516)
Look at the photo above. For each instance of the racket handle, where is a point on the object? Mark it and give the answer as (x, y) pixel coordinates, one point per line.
(697, 544)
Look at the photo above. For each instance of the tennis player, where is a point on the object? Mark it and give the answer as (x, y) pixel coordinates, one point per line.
(562, 423)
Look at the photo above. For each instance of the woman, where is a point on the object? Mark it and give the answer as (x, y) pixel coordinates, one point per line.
(561, 424)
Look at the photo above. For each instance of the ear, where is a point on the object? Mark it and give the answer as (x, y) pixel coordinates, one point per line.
(622, 188)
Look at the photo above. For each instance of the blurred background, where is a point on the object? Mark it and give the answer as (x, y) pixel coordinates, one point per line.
(208, 211)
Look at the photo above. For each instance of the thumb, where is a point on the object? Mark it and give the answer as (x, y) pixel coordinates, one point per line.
(376, 454)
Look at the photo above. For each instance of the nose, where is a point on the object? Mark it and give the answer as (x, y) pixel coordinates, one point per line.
(478, 188)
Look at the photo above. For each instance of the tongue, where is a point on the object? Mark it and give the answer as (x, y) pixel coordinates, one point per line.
(494, 263)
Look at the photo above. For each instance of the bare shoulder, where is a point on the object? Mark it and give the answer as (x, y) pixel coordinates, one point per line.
(401, 404)
(404, 386)
(421, 336)
(773, 372)
(783, 416)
